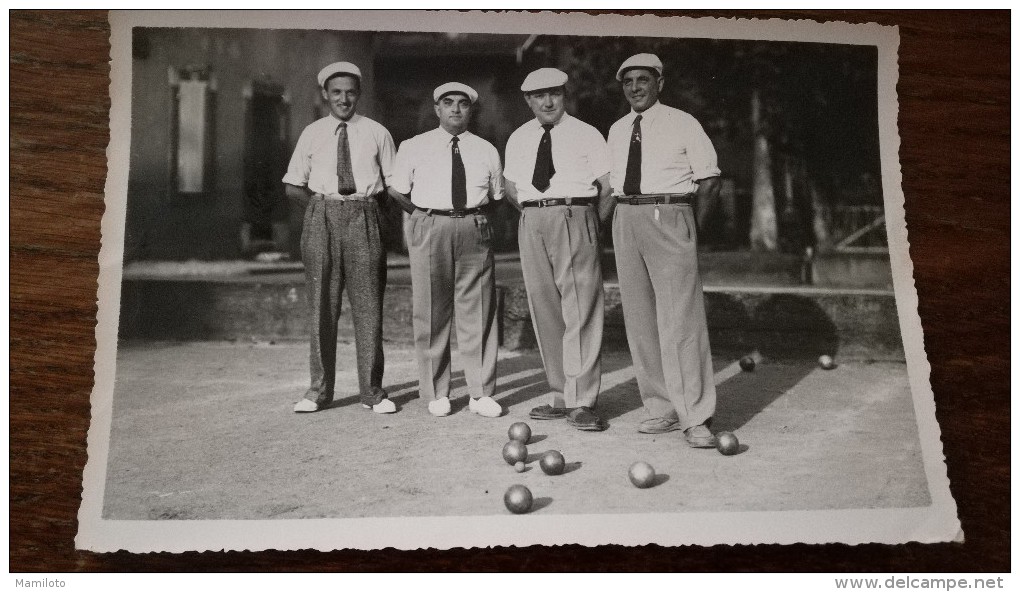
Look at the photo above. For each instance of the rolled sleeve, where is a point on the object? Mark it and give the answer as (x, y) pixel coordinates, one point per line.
(387, 155)
(300, 163)
(495, 176)
(599, 161)
(514, 170)
(701, 153)
(402, 171)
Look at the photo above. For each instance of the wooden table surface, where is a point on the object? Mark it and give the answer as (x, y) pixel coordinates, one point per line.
(954, 126)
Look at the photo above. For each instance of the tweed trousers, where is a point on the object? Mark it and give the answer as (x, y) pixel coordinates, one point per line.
(341, 248)
(664, 310)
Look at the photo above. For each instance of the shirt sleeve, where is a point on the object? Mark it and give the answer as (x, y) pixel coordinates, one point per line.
(615, 167)
(599, 162)
(514, 167)
(300, 162)
(402, 175)
(495, 175)
(387, 155)
(700, 152)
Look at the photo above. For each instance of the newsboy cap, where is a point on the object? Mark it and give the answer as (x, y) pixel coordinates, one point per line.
(338, 68)
(641, 60)
(544, 78)
(454, 87)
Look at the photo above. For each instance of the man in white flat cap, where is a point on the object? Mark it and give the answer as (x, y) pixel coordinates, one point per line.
(662, 163)
(444, 179)
(557, 169)
(337, 173)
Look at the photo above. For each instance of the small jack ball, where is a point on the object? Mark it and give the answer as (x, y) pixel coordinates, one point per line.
(826, 362)
(747, 364)
(519, 467)
(518, 499)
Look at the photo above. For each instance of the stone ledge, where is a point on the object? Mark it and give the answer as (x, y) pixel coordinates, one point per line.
(778, 323)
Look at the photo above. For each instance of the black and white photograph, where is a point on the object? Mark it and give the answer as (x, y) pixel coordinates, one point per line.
(439, 279)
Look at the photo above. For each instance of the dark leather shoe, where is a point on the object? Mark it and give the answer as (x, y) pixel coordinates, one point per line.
(586, 420)
(699, 436)
(658, 425)
(548, 412)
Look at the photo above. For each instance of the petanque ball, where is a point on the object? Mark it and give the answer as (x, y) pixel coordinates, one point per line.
(641, 474)
(726, 443)
(514, 452)
(518, 499)
(552, 463)
(747, 364)
(520, 431)
(826, 362)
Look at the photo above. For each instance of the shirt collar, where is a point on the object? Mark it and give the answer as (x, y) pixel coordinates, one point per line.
(337, 121)
(648, 113)
(535, 123)
(447, 137)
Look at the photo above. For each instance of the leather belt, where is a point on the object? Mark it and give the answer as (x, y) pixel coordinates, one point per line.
(560, 201)
(349, 197)
(451, 213)
(656, 198)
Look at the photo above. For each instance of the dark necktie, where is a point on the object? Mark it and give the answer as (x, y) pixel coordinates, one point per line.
(544, 169)
(458, 179)
(344, 170)
(632, 181)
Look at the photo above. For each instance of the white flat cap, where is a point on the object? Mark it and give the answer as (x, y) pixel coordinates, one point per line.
(641, 60)
(338, 68)
(454, 87)
(544, 78)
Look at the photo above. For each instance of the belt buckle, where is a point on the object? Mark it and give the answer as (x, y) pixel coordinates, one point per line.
(457, 213)
(543, 203)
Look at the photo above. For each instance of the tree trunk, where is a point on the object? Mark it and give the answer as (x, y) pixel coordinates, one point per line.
(821, 217)
(764, 231)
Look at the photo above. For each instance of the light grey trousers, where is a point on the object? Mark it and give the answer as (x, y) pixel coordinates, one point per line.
(452, 279)
(341, 247)
(664, 310)
(560, 252)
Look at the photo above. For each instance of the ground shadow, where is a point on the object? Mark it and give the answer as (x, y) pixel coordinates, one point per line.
(536, 439)
(747, 394)
(787, 333)
(570, 467)
(622, 398)
(660, 478)
(540, 503)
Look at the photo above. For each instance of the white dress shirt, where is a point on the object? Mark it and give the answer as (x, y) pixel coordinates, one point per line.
(314, 161)
(579, 152)
(424, 166)
(675, 151)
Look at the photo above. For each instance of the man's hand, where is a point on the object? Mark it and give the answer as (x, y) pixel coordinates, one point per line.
(402, 200)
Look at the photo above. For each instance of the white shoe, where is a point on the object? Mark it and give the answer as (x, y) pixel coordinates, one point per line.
(486, 407)
(440, 407)
(384, 406)
(305, 406)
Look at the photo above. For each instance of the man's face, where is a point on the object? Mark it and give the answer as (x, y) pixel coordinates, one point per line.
(641, 87)
(547, 104)
(342, 94)
(454, 112)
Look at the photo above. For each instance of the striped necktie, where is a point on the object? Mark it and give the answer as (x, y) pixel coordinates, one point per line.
(344, 169)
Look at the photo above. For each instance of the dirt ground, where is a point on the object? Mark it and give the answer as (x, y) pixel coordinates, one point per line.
(205, 430)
